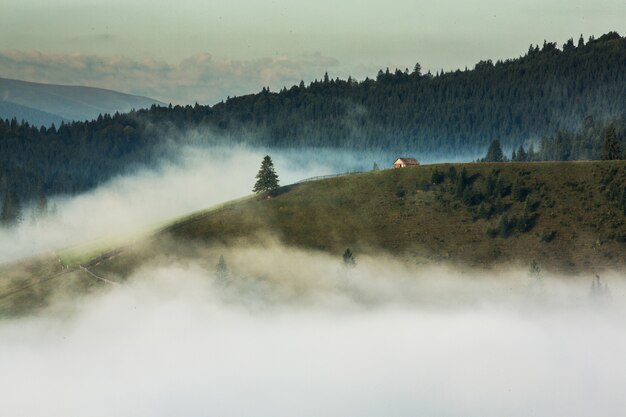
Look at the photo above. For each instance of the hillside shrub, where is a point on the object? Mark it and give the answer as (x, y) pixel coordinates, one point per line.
(498, 206)
(485, 211)
(452, 173)
(524, 223)
(506, 226)
(462, 182)
(501, 188)
(437, 177)
(490, 183)
(472, 197)
(519, 191)
(548, 236)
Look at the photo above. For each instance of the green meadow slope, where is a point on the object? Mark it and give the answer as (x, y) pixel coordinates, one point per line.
(566, 216)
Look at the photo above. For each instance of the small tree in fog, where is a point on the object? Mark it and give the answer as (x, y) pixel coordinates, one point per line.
(266, 179)
(535, 269)
(11, 211)
(222, 272)
(599, 292)
(348, 259)
(41, 209)
(375, 167)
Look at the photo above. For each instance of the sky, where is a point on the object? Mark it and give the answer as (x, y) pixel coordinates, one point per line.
(194, 50)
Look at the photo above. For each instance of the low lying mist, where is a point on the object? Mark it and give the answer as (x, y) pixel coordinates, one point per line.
(278, 331)
(192, 178)
(189, 178)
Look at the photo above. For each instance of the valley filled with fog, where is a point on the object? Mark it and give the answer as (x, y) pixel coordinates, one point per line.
(285, 331)
(292, 332)
(340, 209)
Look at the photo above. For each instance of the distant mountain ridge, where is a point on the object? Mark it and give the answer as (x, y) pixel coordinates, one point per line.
(44, 104)
(9, 110)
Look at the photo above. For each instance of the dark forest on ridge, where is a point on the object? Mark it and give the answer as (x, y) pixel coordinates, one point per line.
(562, 101)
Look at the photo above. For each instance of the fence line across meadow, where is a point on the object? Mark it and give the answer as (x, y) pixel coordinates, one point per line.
(321, 177)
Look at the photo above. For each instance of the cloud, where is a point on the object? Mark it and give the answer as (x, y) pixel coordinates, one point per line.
(202, 77)
(312, 339)
(192, 178)
(294, 332)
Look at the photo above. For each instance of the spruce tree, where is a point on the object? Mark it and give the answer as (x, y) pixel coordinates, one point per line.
(610, 148)
(417, 70)
(535, 269)
(221, 271)
(267, 180)
(41, 210)
(348, 259)
(531, 155)
(494, 153)
(11, 212)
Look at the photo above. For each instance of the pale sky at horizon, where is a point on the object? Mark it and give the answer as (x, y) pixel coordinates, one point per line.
(239, 37)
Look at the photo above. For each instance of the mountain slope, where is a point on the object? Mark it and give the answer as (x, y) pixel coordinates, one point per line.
(70, 102)
(566, 217)
(448, 116)
(34, 117)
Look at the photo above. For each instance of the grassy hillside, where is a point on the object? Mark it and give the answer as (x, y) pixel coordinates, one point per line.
(567, 216)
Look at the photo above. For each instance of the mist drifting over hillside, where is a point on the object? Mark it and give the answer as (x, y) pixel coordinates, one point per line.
(141, 276)
(291, 331)
(191, 178)
(296, 333)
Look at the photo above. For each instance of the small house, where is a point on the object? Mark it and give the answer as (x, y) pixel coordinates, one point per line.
(405, 162)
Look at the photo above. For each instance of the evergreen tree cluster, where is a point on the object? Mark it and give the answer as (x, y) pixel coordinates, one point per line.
(593, 140)
(490, 196)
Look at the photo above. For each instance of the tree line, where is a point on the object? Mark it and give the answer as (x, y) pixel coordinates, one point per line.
(603, 140)
(540, 99)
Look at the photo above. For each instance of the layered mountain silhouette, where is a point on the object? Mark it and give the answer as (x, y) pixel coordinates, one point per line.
(44, 104)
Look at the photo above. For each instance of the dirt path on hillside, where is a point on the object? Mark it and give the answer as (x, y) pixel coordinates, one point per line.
(108, 281)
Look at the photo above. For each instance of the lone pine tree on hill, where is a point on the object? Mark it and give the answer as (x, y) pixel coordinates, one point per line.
(266, 179)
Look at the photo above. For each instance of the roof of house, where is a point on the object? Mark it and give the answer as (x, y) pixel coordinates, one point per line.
(408, 161)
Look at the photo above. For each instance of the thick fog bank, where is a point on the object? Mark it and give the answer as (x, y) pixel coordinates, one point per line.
(281, 332)
(192, 179)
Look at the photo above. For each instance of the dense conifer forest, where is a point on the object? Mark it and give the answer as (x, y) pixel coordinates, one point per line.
(563, 101)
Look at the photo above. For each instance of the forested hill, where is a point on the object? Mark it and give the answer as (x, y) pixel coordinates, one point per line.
(544, 91)
(547, 90)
